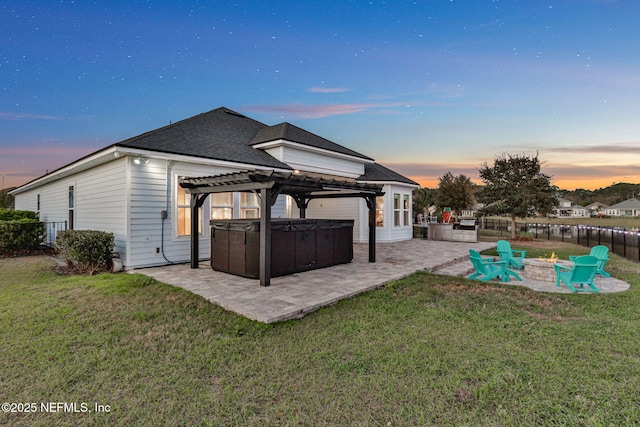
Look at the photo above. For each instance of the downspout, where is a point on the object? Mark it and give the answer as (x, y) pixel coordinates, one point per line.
(165, 214)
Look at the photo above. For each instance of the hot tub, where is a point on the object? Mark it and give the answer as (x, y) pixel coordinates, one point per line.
(296, 245)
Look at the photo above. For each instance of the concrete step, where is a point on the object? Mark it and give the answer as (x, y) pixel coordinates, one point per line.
(460, 267)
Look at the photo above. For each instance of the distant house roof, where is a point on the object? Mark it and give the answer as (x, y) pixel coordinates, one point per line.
(627, 204)
(596, 205)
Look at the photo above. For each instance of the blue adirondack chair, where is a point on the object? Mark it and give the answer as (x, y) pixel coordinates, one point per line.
(512, 257)
(602, 253)
(487, 268)
(582, 273)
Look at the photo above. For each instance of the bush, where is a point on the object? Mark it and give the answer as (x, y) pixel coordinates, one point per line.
(20, 230)
(86, 251)
(13, 215)
(24, 234)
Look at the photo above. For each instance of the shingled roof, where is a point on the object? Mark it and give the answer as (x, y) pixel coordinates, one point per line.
(223, 134)
(220, 134)
(378, 173)
(631, 203)
(293, 133)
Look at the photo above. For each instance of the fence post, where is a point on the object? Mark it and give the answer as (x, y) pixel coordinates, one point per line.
(588, 232)
(624, 242)
(612, 238)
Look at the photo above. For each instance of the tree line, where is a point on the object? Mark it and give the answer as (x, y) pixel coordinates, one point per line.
(615, 193)
(518, 174)
(514, 186)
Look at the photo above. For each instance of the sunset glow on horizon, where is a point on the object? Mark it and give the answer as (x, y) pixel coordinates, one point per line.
(422, 87)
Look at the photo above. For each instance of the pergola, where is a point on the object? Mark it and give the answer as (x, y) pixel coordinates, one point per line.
(268, 185)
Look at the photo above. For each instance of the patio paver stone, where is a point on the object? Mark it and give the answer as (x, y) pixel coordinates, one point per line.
(293, 296)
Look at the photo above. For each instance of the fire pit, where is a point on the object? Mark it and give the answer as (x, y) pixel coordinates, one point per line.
(542, 268)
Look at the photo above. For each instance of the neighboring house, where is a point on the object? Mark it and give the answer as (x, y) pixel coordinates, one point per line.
(472, 211)
(596, 208)
(566, 209)
(630, 207)
(131, 188)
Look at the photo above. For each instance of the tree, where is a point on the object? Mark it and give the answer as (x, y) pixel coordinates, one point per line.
(455, 192)
(422, 199)
(516, 186)
(6, 199)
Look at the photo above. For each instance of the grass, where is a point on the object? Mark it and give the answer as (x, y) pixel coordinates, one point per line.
(425, 350)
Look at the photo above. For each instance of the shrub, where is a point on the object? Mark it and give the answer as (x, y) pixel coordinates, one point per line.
(86, 251)
(20, 230)
(13, 215)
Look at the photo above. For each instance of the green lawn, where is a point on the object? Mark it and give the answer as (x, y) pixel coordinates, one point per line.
(426, 350)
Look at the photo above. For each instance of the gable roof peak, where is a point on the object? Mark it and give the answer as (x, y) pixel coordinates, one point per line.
(292, 133)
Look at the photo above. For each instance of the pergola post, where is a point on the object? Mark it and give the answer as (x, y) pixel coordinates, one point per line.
(371, 204)
(265, 237)
(302, 203)
(197, 200)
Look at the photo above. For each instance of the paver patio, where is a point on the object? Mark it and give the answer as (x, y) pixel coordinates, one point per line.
(293, 296)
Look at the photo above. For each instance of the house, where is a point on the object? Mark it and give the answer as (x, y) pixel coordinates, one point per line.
(472, 211)
(566, 209)
(630, 207)
(131, 188)
(596, 208)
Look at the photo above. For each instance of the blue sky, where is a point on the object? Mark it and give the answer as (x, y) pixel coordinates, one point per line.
(423, 87)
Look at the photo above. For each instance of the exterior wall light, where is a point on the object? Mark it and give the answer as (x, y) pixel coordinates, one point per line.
(140, 160)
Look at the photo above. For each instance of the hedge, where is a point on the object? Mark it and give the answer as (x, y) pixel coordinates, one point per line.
(86, 251)
(20, 230)
(25, 234)
(17, 215)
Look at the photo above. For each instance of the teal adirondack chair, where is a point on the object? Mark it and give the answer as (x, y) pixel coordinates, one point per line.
(512, 257)
(487, 268)
(602, 253)
(582, 273)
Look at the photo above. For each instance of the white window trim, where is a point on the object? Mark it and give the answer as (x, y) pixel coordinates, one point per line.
(204, 212)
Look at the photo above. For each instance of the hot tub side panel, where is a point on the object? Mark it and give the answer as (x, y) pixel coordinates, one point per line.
(296, 245)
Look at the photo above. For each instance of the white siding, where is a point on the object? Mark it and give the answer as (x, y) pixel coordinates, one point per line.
(356, 209)
(100, 200)
(317, 162)
(154, 189)
(279, 209)
(389, 232)
(26, 201)
(345, 208)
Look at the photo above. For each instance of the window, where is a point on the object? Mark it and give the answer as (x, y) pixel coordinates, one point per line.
(71, 206)
(249, 205)
(184, 214)
(38, 203)
(396, 210)
(401, 210)
(379, 211)
(405, 209)
(221, 205)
